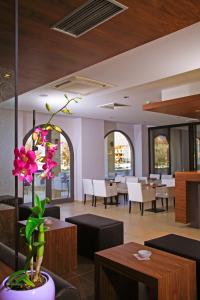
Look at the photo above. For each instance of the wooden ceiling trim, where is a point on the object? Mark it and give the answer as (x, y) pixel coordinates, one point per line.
(188, 106)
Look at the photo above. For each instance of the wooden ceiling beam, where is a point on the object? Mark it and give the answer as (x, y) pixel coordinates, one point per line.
(188, 106)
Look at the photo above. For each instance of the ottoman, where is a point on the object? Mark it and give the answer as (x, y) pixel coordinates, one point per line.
(51, 211)
(96, 233)
(181, 246)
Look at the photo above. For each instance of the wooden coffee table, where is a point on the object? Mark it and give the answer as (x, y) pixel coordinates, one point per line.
(166, 276)
(60, 248)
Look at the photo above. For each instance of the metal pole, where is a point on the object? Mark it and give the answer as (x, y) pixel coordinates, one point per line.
(16, 133)
(33, 148)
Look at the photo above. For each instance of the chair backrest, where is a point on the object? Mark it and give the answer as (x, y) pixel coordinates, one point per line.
(135, 191)
(163, 176)
(99, 188)
(143, 179)
(119, 178)
(88, 187)
(132, 179)
(169, 182)
(154, 176)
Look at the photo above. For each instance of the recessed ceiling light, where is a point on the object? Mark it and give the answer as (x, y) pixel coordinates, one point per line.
(6, 75)
(148, 102)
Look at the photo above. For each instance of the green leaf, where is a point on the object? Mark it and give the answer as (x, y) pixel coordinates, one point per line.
(37, 211)
(15, 274)
(31, 225)
(48, 107)
(38, 244)
(66, 111)
(37, 201)
(57, 128)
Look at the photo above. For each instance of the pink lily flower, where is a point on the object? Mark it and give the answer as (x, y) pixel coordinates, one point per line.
(24, 164)
(47, 167)
(39, 135)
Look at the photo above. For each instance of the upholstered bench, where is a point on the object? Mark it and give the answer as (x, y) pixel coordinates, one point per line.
(51, 211)
(96, 233)
(182, 246)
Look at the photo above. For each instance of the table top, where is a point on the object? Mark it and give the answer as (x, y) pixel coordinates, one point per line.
(6, 207)
(161, 263)
(53, 224)
(5, 271)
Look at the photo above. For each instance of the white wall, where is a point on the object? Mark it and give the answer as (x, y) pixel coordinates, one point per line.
(92, 148)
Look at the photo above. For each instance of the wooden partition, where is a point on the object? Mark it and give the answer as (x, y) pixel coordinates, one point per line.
(183, 196)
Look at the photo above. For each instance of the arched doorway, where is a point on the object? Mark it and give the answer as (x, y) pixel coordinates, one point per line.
(118, 154)
(61, 187)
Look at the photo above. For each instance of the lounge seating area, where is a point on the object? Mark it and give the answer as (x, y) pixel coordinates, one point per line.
(99, 150)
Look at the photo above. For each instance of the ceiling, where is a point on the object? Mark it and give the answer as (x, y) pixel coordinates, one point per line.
(46, 55)
(140, 52)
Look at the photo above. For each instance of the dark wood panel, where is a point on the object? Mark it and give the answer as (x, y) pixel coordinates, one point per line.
(46, 55)
(7, 225)
(188, 106)
(182, 206)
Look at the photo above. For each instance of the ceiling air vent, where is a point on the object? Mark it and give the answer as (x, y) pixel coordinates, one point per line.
(81, 85)
(114, 105)
(88, 16)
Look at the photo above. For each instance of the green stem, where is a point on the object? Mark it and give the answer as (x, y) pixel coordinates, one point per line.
(59, 110)
(40, 252)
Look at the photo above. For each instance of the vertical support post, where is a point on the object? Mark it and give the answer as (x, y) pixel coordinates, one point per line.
(33, 148)
(16, 133)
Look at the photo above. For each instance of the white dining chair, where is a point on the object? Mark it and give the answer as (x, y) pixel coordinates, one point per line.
(136, 193)
(170, 182)
(154, 176)
(88, 189)
(121, 179)
(165, 193)
(101, 189)
(132, 179)
(166, 176)
(143, 179)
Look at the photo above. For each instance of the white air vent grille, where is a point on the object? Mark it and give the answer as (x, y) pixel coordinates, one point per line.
(114, 105)
(81, 85)
(88, 16)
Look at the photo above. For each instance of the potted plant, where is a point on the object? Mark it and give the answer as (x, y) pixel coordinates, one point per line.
(30, 282)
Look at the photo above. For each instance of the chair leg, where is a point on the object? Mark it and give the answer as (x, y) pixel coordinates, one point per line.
(167, 204)
(142, 210)
(92, 200)
(105, 202)
(162, 202)
(95, 201)
(140, 206)
(129, 207)
(116, 199)
(84, 199)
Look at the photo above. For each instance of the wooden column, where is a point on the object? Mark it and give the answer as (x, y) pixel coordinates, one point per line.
(182, 195)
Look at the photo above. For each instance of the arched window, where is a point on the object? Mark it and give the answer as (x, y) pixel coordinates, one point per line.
(61, 187)
(161, 154)
(118, 155)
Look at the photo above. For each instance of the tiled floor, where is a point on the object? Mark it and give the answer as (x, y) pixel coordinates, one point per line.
(137, 228)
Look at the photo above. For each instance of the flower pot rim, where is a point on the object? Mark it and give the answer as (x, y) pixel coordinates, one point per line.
(46, 275)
